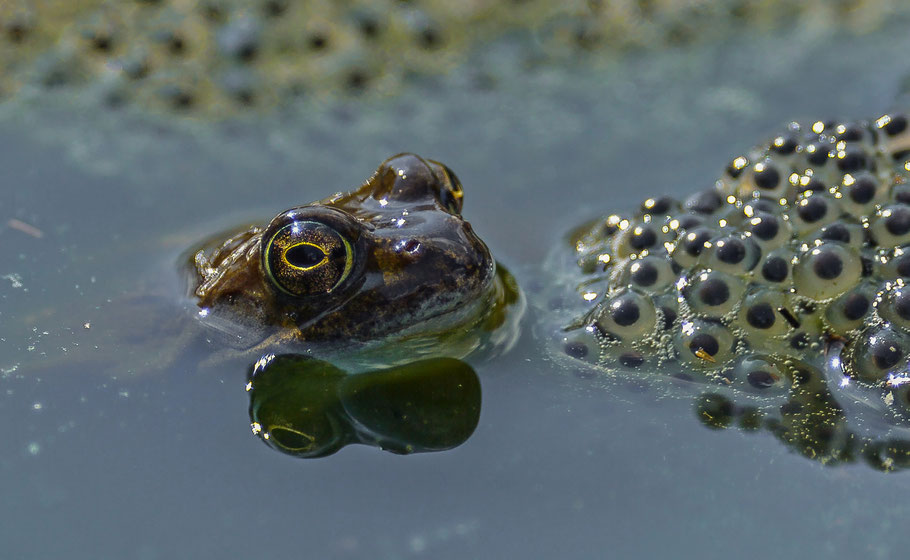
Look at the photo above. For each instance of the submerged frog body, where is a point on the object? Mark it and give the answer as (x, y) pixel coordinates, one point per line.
(392, 259)
(788, 279)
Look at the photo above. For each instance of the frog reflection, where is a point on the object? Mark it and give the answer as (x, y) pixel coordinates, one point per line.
(392, 259)
(309, 408)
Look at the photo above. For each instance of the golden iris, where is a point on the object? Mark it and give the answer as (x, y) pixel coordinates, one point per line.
(307, 258)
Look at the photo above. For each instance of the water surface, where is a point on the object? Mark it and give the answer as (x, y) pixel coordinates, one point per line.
(103, 460)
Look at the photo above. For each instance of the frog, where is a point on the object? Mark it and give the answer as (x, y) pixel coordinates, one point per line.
(778, 298)
(387, 272)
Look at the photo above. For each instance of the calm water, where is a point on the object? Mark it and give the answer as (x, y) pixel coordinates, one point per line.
(99, 462)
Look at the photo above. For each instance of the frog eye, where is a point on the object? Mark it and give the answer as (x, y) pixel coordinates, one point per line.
(827, 271)
(453, 193)
(627, 315)
(306, 258)
(879, 352)
(892, 226)
(704, 343)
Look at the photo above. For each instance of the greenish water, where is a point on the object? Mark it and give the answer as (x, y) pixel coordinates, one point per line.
(163, 464)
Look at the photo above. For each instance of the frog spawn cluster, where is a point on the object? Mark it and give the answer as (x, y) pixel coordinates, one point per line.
(803, 241)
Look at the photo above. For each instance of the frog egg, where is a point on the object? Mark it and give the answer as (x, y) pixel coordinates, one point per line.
(683, 222)
(734, 254)
(766, 313)
(827, 271)
(900, 398)
(582, 344)
(900, 193)
(733, 175)
(813, 211)
(849, 233)
(755, 206)
(764, 179)
(691, 244)
(895, 265)
(628, 315)
(807, 184)
(704, 343)
(660, 206)
(715, 411)
(707, 201)
(880, 351)
(785, 146)
(775, 269)
(891, 227)
(761, 375)
(859, 193)
(668, 307)
(713, 293)
(851, 310)
(853, 159)
(816, 154)
(768, 231)
(855, 132)
(650, 274)
(639, 237)
(895, 133)
(893, 306)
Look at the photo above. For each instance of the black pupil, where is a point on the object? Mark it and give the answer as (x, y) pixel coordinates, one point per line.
(304, 255)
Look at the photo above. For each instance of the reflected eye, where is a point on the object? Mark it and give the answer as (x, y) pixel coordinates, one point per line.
(307, 258)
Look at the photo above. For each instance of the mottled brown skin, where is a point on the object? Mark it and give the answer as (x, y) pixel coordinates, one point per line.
(415, 259)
